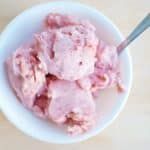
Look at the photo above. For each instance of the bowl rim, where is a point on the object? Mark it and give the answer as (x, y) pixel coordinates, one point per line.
(116, 112)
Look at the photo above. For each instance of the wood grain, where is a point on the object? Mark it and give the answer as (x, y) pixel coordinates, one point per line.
(131, 130)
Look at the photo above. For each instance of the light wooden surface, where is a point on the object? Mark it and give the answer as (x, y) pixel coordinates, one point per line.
(131, 130)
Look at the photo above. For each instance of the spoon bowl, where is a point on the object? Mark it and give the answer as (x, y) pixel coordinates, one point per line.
(109, 103)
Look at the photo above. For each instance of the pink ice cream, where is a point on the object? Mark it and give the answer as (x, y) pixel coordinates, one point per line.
(26, 74)
(56, 75)
(107, 70)
(72, 105)
(68, 47)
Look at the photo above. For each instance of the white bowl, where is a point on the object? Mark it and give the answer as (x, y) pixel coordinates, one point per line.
(109, 104)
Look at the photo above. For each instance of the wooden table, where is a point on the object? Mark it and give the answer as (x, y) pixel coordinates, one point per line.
(131, 130)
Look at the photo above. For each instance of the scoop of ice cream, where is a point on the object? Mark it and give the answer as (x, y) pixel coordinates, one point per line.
(26, 74)
(71, 105)
(70, 49)
(107, 72)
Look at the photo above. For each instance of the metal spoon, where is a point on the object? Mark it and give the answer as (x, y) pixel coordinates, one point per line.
(141, 27)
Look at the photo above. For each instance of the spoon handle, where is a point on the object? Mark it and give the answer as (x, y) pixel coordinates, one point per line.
(143, 25)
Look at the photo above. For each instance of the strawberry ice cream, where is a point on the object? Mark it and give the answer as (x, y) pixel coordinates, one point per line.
(56, 75)
(72, 105)
(69, 47)
(26, 74)
(107, 71)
